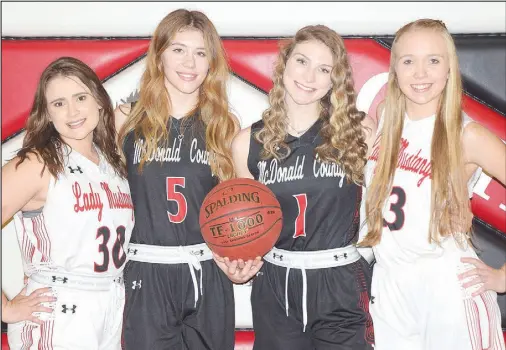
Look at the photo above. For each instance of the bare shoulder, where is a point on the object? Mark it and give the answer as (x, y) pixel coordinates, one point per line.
(379, 110)
(240, 151)
(236, 120)
(370, 126)
(121, 113)
(24, 185)
(473, 132)
(478, 140)
(483, 148)
(33, 163)
(241, 140)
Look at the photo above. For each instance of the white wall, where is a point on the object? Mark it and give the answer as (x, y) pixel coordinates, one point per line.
(246, 18)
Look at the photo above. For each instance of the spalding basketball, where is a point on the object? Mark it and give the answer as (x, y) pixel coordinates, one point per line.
(240, 219)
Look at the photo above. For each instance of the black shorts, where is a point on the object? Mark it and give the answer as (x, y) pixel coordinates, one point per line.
(160, 310)
(337, 308)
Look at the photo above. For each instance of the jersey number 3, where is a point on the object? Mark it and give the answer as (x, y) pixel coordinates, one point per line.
(174, 196)
(396, 208)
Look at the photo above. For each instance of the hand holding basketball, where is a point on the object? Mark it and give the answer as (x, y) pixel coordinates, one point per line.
(238, 271)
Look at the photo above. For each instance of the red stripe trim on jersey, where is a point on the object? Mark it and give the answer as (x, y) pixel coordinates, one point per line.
(42, 338)
(363, 301)
(32, 252)
(488, 341)
(27, 337)
(473, 325)
(35, 230)
(46, 336)
(23, 337)
(27, 248)
(493, 313)
(43, 238)
(40, 232)
(48, 239)
(51, 329)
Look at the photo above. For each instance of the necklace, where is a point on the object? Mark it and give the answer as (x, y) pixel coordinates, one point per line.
(180, 135)
(297, 131)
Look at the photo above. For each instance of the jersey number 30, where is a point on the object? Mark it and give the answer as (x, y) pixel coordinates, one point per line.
(396, 207)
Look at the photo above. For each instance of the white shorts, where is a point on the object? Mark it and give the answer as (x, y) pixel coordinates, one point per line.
(421, 306)
(82, 319)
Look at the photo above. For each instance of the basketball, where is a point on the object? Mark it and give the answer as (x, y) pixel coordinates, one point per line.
(240, 219)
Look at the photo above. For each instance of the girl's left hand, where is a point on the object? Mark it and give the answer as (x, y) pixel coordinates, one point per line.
(492, 279)
(238, 271)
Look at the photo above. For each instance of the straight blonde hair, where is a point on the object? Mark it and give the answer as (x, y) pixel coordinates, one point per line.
(150, 115)
(450, 208)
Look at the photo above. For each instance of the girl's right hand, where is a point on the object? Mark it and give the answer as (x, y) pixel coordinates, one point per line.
(238, 271)
(22, 306)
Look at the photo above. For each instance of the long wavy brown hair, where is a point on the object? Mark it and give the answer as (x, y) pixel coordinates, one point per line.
(42, 139)
(150, 115)
(450, 208)
(342, 132)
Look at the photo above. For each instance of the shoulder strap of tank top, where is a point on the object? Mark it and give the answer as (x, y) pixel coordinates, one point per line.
(129, 136)
(255, 148)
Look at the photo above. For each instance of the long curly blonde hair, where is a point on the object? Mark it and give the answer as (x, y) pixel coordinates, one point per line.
(450, 208)
(342, 132)
(150, 115)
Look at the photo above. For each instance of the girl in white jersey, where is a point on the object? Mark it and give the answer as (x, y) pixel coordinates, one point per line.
(73, 215)
(417, 202)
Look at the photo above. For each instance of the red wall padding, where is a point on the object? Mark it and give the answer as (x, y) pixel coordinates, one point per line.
(24, 60)
(253, 60)
(243, 340)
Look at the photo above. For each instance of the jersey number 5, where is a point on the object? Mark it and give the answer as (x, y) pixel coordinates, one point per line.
(174, 196)
(117, 249)
(396, 207)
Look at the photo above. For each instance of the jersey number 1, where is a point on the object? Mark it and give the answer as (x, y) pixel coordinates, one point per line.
(174, 196)
(300, 221)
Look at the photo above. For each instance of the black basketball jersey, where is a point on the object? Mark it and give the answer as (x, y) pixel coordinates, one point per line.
(169, 192)
(320, 207)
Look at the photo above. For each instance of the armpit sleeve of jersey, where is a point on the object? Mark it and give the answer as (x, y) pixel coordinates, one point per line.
(367, 253)
(477, 173)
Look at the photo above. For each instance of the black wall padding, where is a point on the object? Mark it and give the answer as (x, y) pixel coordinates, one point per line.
(482, 61)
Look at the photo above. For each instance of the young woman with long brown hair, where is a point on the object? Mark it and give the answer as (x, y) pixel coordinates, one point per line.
(310, 149)
(419, 179)
(176, 142)
(73, 215)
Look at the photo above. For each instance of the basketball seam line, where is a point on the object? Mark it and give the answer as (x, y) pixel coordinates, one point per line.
(239, 184)
(251, 240)
(238, 211)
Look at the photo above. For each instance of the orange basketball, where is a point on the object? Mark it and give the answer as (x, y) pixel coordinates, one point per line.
(240, 219)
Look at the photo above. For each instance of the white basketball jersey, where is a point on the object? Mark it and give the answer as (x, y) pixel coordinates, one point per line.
(85, 224)
(407, 210)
